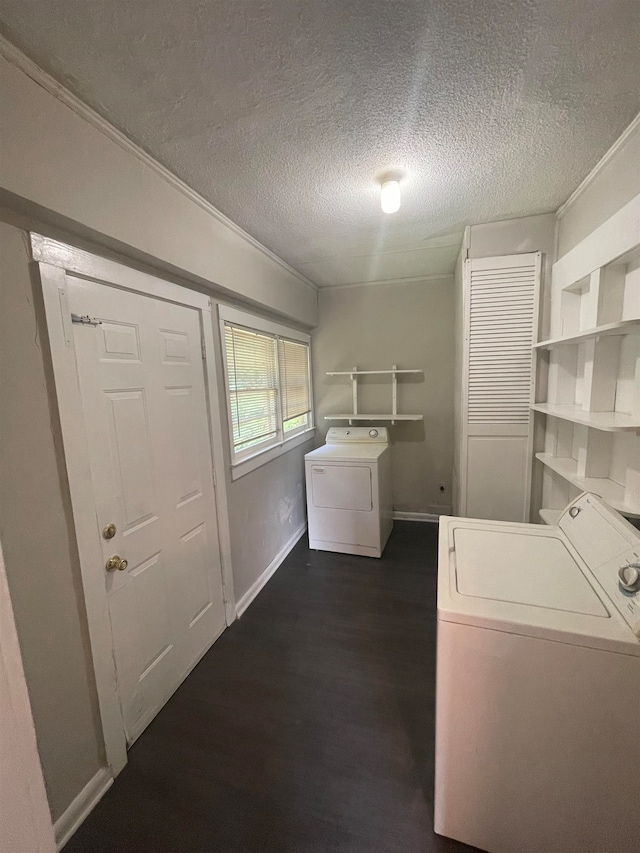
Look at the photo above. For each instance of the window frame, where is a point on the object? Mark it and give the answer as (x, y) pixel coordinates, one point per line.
(259, 454)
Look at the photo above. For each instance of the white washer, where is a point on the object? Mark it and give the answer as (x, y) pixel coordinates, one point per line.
(538, 684)
(349, 499)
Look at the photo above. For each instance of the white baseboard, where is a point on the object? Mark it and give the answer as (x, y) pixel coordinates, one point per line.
(416, 516)
(273, 566)
(81, 806)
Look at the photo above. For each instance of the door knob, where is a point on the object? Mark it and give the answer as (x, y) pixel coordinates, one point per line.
(116, 563)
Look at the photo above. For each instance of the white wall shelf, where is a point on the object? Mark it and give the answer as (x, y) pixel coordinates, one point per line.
(612, 493)
(622, 327)
(355, 415)
(360, 417)
(606, 421)
(368, 372)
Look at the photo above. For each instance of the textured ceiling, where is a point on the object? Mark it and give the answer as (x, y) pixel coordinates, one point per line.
(282, 112)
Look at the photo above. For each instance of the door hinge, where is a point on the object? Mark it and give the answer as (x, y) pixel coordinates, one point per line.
(85, 320)
(215, 478)
(204, 349)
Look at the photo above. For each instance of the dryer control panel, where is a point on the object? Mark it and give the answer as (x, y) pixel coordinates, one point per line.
(367, 435)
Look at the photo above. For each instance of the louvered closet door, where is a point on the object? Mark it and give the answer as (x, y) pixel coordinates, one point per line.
(501, 325)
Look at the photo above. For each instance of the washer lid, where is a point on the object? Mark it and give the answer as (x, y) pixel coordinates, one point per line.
(525, 579)
(534, 570)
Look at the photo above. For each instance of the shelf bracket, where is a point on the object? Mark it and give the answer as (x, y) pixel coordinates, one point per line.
(354, 392)
(394, 392)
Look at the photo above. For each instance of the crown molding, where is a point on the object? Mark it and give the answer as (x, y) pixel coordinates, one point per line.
(395, 281)
(15, 57)
(620, 141)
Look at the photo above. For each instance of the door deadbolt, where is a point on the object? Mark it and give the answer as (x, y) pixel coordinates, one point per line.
(109, 531)
(116, 564)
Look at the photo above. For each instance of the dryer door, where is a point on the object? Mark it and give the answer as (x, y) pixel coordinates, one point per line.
(342, 487)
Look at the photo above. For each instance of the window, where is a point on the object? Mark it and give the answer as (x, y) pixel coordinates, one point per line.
(295, 391)
(268, 386)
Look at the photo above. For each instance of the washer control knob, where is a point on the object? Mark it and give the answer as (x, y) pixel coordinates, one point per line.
(373, 433)
(629, 577)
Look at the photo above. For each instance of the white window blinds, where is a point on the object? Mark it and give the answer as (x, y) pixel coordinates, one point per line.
(267, 375)
(253, 386)
(501, 331)
(293, 359)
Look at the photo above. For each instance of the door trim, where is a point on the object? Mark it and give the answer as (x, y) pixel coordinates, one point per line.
(469, 430)
(54, 260)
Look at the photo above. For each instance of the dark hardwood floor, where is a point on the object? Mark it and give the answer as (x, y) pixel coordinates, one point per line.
(308, 727)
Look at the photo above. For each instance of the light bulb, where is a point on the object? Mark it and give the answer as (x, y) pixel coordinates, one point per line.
(390, 196)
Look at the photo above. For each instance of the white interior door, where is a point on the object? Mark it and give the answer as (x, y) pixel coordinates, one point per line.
(501, 324)
(143, 395)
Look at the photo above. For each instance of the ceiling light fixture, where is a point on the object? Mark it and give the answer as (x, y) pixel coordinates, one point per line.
(389, 181)
(390, 196)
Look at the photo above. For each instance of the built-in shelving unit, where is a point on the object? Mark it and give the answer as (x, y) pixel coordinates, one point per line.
(589, 405)
(355, 415)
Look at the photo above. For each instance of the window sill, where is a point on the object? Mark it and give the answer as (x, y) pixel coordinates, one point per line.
(250, 463)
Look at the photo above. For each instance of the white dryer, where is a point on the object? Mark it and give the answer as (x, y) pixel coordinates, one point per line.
(349, 499)
(538, 683)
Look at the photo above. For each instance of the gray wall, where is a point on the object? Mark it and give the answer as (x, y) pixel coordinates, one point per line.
(63, 176)
(266, 508)
(611, 188)
(411, 325)
(39, 546)
(511, 236)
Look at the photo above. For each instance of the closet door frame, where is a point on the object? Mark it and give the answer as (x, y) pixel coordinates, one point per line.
(464, 391)
(53, 261)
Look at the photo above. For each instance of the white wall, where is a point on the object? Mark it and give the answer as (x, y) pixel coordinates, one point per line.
(610, 186)
(411, 325)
